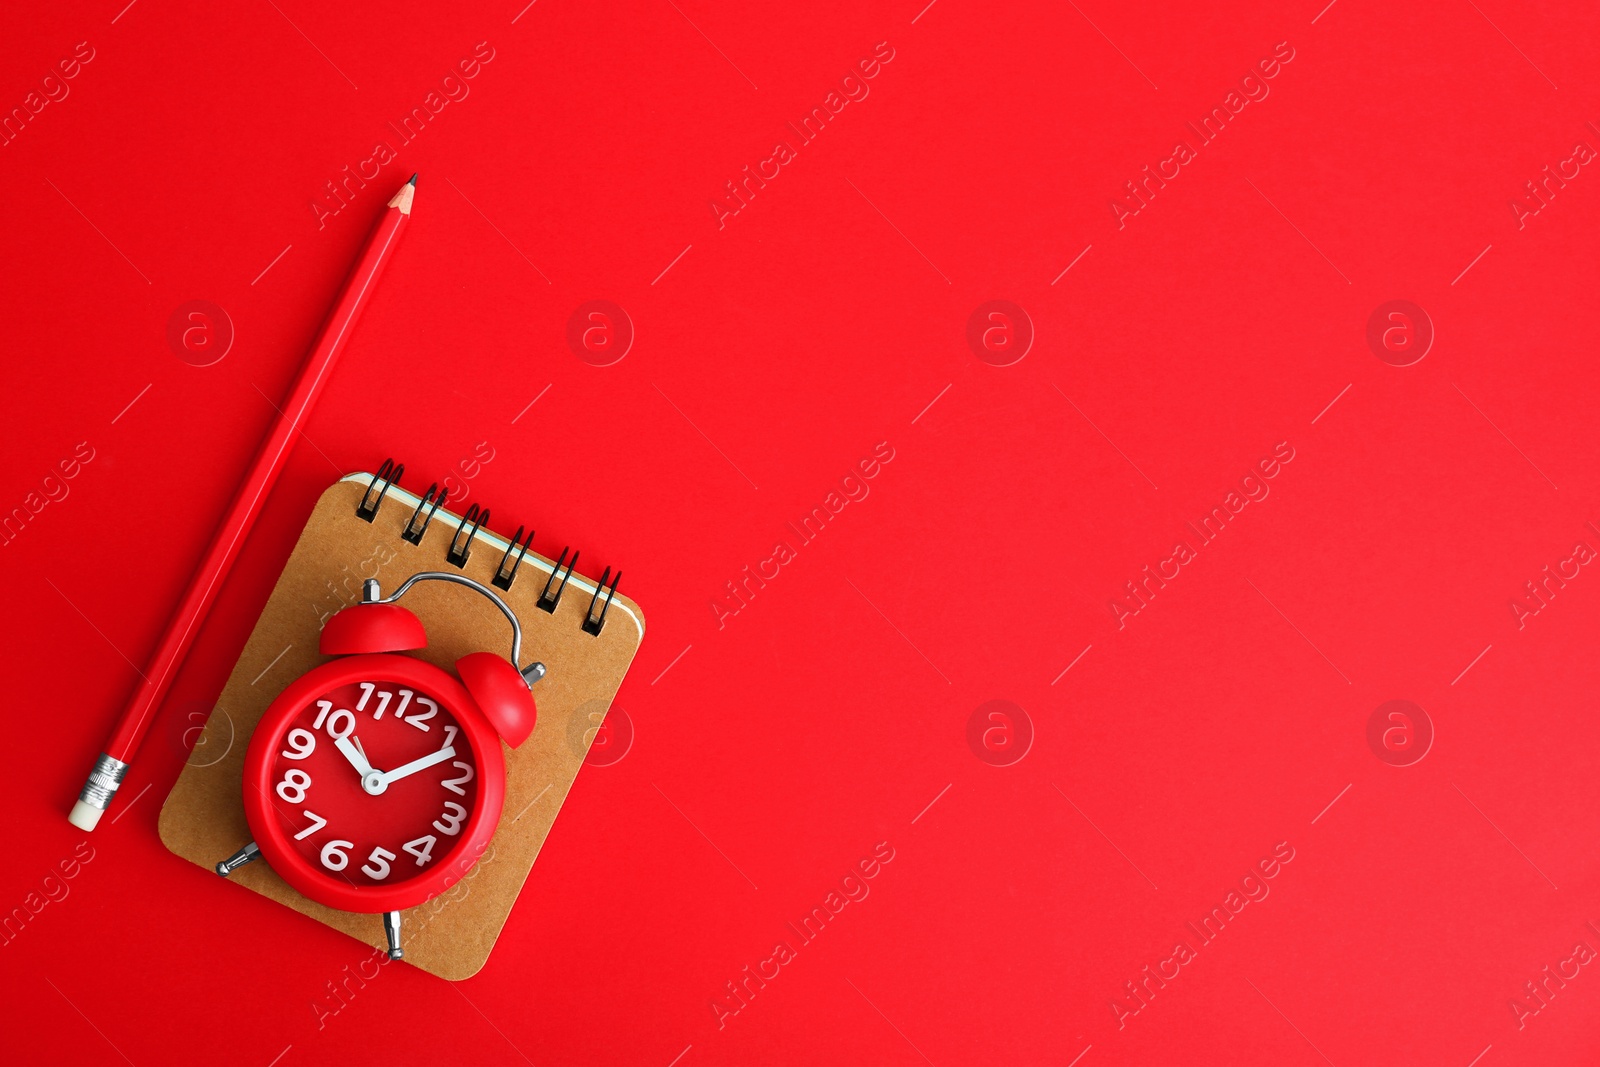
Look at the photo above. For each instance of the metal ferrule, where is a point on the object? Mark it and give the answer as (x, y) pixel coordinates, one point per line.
(103, 781)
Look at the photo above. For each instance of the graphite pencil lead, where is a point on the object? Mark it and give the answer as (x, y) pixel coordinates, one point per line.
(413, 181)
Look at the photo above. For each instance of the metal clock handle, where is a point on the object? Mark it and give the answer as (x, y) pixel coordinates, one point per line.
(531, 673)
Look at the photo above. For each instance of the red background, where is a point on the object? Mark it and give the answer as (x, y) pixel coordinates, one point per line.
(776, 751)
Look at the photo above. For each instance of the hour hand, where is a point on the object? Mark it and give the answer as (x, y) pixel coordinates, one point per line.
(351, 751)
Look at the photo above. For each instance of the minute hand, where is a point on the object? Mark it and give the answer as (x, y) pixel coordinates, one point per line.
(390, 777)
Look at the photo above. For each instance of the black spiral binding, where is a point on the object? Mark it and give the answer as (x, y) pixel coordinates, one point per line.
(459, 552)
(502, 577)
(591, 623)
(416, 538)
(466, 531)
(390, 473)
(547, 601)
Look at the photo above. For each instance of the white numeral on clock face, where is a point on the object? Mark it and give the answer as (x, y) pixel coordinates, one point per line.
(419, 720)
(301, 744)
(422, 848)
(455, 784)
(405, 701)
(334, 856)
(384, 696)
(317, 823)
(323, 707)
(451, 823)
(366, 693)
(294, 785)
(338, 728)
(378, 868)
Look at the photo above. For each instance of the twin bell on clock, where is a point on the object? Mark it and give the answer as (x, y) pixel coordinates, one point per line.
(374, 782)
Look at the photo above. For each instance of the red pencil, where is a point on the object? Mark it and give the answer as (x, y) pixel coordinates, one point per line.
(136, 717)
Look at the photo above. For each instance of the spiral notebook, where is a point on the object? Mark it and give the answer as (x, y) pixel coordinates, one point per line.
(367, 526)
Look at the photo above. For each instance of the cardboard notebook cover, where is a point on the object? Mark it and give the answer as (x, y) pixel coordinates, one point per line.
(450, 936)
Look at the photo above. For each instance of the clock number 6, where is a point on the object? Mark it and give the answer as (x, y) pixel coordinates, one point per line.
(334, 856)
(378, 867)
(451, 824)
(294, 785)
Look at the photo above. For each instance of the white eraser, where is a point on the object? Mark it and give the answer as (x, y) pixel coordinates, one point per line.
(85, 816)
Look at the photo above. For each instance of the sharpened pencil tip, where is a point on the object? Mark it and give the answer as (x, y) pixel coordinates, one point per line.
(413, 181)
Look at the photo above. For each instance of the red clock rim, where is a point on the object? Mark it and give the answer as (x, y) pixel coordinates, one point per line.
(271, 838)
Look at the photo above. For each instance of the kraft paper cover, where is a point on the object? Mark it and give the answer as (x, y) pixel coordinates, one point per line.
(450, 936)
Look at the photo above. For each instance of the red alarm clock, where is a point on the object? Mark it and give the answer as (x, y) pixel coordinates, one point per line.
(374, 782)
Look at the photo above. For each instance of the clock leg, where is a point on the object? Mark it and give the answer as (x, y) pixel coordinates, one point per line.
(391, 930)
(239, 859)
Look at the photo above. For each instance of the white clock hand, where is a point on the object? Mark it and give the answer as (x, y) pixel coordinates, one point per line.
(353, 753)
(389, 777)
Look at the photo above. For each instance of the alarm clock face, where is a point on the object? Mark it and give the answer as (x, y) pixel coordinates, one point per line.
(371, 785)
